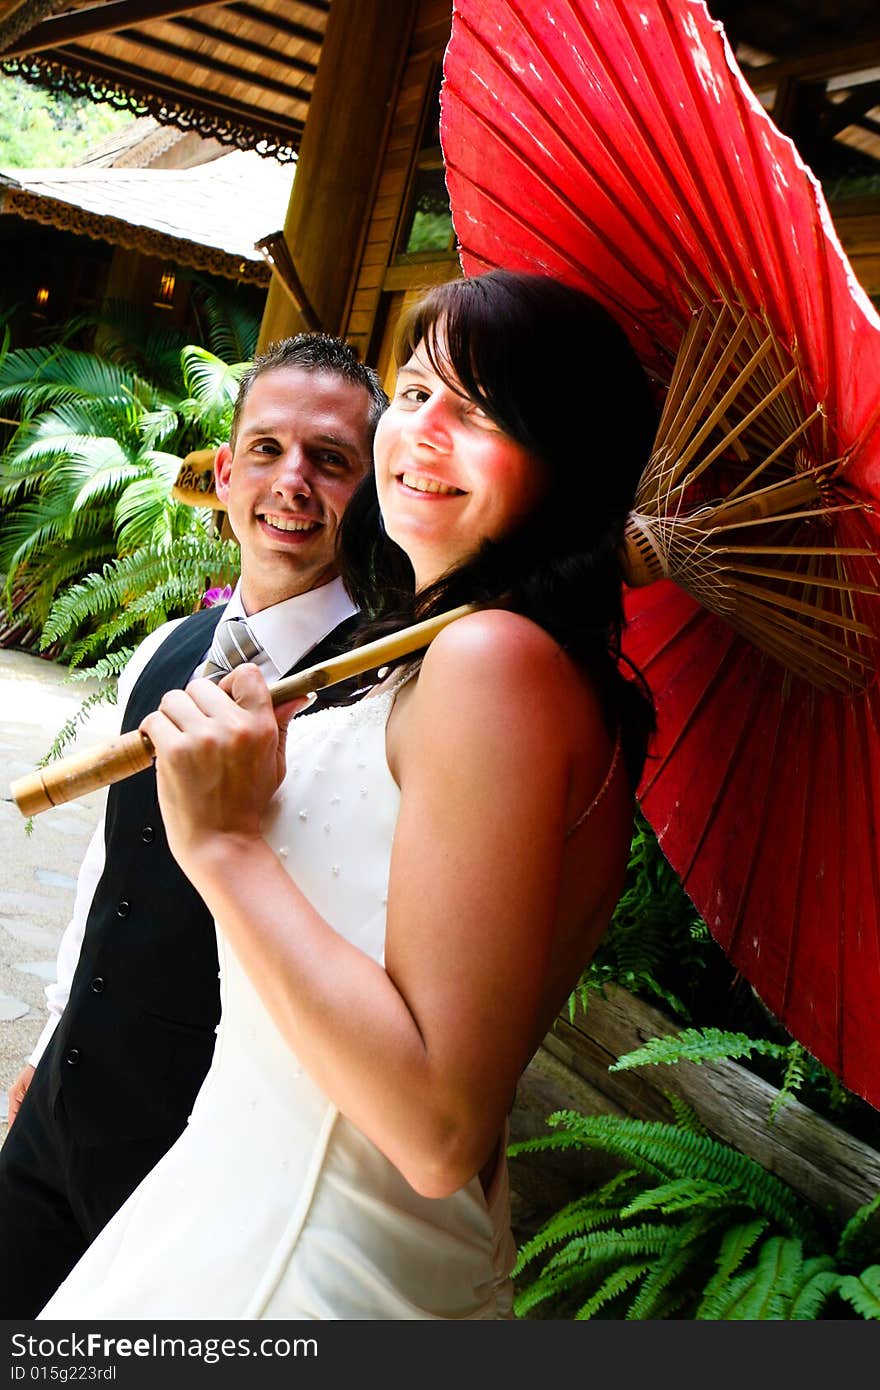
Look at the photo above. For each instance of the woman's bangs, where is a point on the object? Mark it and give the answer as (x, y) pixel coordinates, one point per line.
(458, 340)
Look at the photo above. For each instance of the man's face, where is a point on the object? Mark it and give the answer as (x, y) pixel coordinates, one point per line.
(303, 445)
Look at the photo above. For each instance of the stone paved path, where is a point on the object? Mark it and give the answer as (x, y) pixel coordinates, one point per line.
(37, 871)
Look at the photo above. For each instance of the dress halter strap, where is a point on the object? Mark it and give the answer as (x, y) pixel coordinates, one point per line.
(412, 670)
(609, 778)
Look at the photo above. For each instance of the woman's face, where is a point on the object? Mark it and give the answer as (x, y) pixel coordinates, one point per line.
(448, 478)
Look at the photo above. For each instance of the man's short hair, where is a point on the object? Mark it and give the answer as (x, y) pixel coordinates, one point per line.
(313, 352)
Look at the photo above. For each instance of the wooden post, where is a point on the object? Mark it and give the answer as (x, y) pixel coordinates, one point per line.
(358, 72)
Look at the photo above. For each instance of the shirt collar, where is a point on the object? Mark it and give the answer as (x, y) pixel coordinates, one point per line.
(291, 628)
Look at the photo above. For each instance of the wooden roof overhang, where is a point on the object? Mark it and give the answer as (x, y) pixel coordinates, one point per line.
(241, 73)
(208, 218)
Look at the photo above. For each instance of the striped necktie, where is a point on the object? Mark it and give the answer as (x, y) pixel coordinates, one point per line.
(233, 643)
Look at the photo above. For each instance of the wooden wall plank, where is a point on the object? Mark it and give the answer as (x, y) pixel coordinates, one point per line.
(429, 39)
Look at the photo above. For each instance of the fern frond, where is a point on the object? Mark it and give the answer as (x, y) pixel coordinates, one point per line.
(679, 1195)
(613, 1245)
(736, 1244)
(687, 1251)
(862, 1291)
(860, 1238)
(697, 1045)
(664, 1151)
(107, 669)
(617, 1283)
(766, 1291)
(820, 1281)
(793, 1077)
(585, 1213)
(552, 1285)
(686, 1116)
(68, 730)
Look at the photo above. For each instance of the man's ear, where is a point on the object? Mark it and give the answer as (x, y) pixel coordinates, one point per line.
(222, 471)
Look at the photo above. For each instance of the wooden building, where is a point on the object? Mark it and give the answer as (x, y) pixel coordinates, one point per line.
(131, 231)
(349, 88)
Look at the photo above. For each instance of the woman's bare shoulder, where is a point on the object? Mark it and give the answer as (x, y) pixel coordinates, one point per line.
(496, 641)
(501, 661)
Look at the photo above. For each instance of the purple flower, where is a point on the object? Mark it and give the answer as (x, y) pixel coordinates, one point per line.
(220, 594)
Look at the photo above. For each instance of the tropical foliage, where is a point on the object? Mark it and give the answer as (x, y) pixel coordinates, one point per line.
(44, 130)
(691, 1228)
(86, 481)
(657, 938)
(94, 549)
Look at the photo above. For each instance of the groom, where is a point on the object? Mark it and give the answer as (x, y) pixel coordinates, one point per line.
(133, 1013)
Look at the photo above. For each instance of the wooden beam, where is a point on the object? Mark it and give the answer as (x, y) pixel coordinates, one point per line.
(276, 21)
(275, 249)
(97, 19)
(361, 61)
(195, 58)
(834, 62)
(259, 50)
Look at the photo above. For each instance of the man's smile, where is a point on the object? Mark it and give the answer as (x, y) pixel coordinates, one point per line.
(279, 522)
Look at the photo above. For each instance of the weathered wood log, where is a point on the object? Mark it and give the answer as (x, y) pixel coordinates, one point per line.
(829, 1167)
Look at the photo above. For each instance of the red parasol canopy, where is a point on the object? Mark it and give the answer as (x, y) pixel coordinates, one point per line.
(617, 146)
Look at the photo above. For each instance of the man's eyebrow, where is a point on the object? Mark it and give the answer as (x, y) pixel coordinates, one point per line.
(259, 428)
(338, 441)
(346, 446)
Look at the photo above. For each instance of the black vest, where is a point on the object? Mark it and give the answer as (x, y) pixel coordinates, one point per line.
(136, 1038)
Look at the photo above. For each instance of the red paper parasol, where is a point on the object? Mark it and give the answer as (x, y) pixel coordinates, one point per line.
(617, 146)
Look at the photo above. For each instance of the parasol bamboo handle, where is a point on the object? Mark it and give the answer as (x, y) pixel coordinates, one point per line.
(129, 753)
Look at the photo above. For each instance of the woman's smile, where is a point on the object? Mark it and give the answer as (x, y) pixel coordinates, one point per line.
(430, 487)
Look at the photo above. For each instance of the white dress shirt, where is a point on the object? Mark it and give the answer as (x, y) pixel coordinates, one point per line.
(286, 632)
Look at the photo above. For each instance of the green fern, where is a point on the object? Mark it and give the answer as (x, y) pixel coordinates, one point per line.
(654, 924)
(612, 1287)
(793, 1078)
(862, 1292)
(860, 1238)
(736, 1244)
(68, 731)
(676, 1276)
(662, 1151)
(819, 1283)
(724, 1239)
(684, 1115)
(697, 1045)
(132, 595)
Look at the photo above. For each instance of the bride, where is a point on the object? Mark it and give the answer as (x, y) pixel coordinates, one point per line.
(406, 894)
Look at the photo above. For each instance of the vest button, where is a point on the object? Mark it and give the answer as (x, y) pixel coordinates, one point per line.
(72, 1057)
(123, 908)
(148, 834)
(97, 985)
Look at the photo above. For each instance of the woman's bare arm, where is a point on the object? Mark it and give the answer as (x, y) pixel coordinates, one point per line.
(423, 1055)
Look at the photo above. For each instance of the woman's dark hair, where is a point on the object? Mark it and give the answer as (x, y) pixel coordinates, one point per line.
(554, 370)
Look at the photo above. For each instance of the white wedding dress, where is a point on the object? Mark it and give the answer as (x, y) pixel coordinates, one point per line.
(271, 1204)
